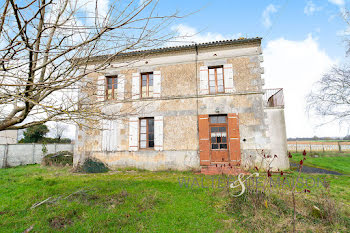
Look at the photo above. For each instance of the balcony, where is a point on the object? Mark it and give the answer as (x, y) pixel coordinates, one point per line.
(273, 98)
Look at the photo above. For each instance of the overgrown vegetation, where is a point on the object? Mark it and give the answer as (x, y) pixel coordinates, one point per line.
(143, 201)
(61, 158)
(93, 165)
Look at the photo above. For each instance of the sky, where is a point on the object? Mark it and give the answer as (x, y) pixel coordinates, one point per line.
(302, 39)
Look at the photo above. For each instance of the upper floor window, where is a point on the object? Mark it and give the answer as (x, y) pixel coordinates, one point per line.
(112, 87)
(146, 133)
(146, 85)
(216, 80)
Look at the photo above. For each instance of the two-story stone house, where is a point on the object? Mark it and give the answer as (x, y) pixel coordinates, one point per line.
(185, 107)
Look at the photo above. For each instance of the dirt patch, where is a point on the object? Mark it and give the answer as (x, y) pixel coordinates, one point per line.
(59, 222)
(117, 199)
(148, 202)
(83, 196)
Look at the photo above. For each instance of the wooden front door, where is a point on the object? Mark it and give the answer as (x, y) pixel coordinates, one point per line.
(218, 139)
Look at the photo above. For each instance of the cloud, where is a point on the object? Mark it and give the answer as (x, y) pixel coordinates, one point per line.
(295, 66)
(93, 8)
(188, 35)
(266, 15)
(311, 8)
(337, 2)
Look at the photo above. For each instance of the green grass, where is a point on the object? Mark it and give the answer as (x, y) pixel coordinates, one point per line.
(339, 162)
(143, 201)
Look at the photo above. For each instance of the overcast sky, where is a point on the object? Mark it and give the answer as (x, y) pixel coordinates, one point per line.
(301, 40)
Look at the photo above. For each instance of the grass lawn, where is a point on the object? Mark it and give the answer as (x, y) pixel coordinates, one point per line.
(339, 162)
(143, 201)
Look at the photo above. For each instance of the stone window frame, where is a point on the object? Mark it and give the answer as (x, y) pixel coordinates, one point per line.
(147, 133)
(216, 79)
(147, 85)
(114, 94)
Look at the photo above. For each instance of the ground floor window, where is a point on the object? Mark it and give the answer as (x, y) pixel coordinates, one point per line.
(218, 132)
(147, 133)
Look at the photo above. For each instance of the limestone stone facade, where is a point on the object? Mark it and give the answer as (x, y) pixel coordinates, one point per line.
(182, 108)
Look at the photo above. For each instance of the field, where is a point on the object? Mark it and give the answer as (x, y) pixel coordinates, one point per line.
(333, 161)
(143, 201)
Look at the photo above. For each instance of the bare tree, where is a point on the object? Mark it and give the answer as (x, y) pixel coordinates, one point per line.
(46, 46)
(331, 97)
(59, 129)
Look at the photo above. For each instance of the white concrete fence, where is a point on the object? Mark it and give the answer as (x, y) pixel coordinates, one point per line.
(12, 155)
(315, 146)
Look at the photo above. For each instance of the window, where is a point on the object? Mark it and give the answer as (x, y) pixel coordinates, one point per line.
(216, 80)
(146, 85)
(146, 133)
(218, 132)
(112, 87)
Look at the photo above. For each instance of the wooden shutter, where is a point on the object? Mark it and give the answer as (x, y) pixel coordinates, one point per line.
(204, 143)
(234, 138)
(158, 133)
(101, 88)
(203, 80)
(157, 81)
(121, 86)
(133, 134)
(110, 135)
(136, 86)
(228, 77)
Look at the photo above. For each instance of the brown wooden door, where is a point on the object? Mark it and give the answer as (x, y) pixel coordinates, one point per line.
(204, 144)
(234, 139)
(218, 139)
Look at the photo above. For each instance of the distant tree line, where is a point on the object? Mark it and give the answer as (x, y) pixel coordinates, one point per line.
(36, 134)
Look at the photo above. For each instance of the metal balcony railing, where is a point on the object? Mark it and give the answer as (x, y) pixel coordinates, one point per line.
(273, 97)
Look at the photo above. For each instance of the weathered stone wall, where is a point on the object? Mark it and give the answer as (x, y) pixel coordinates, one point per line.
(180, 106)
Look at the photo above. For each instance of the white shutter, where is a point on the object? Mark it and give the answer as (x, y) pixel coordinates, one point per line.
(105, 134)
(157, 80)
(203, 85)
(158, 133)
(101, 88)
(121, 86)
(228, 77)
(110, 135)
(133, 133)
(136, 86)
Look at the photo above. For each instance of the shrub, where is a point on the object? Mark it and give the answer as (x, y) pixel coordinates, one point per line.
(61, 158)
(92, 165)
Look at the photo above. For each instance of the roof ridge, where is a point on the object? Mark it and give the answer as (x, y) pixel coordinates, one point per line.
(176, 48)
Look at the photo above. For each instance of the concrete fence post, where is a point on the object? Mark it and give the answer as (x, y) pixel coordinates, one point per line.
(33, 151)
(4, 164)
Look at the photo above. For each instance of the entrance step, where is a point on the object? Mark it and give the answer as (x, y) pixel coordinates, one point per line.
(219, 169)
